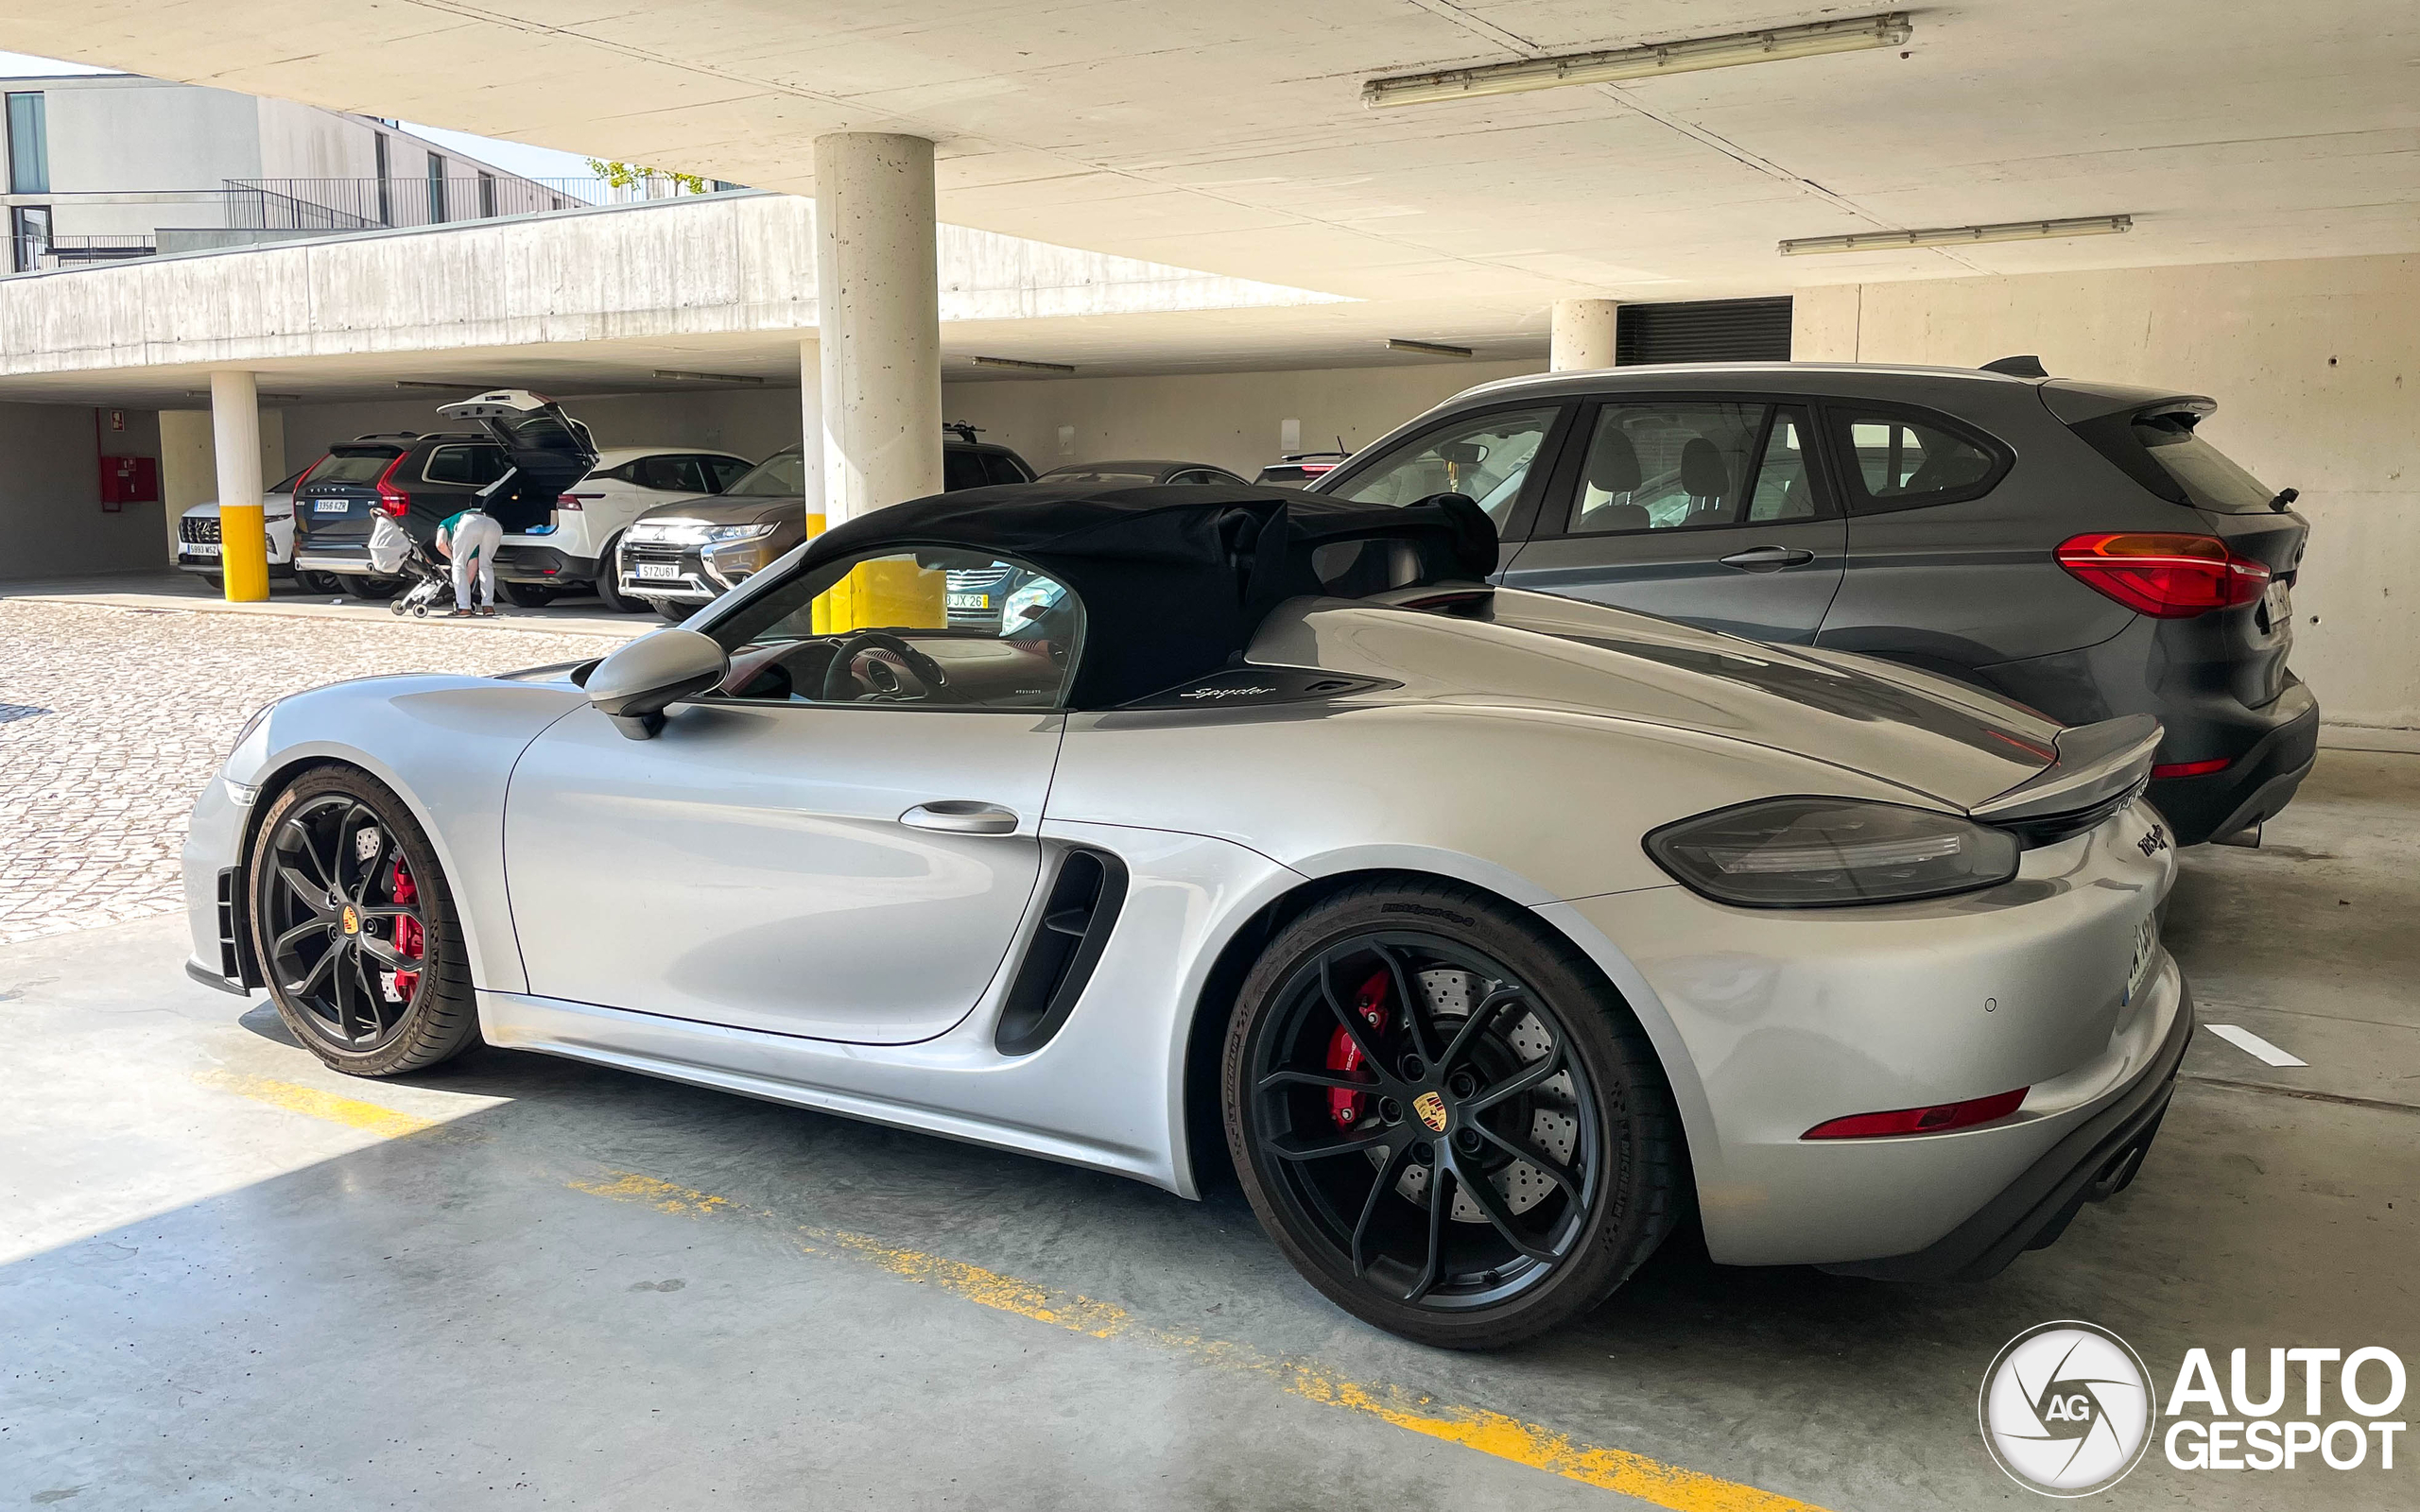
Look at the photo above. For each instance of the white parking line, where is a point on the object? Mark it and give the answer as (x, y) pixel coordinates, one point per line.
(2253, 1045)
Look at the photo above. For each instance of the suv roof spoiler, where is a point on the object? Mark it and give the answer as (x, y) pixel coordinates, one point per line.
(2093, 765)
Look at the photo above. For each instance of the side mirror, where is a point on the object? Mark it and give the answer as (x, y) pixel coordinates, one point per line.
(634, 685)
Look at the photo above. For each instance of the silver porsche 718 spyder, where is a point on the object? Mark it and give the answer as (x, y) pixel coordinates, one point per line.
(1499, 932)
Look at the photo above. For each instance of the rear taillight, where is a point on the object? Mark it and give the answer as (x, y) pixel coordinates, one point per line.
(2216, 763)
(393, 501)
(1312, 470)
(2169, 577)
(575, 501)
(1939, 1119)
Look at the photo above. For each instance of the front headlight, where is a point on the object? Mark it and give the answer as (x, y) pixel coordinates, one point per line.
(738, 532)
(1822, 853)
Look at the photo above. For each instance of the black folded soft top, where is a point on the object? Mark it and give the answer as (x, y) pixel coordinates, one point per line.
(1174, 579)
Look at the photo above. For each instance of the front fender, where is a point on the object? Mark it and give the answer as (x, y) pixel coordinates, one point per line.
(447, 745)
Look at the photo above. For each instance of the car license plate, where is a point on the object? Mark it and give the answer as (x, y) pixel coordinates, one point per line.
(331, 505)
(2278, 607)
(2145, 956)
(970, 601)
(201, 548)
(658, 570)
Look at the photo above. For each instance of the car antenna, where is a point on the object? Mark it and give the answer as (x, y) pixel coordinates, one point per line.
(2016, 368)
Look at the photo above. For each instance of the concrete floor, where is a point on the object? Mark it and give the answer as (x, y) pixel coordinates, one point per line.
(229, 1278)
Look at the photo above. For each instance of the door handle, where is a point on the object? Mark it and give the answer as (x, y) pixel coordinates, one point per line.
(961, 816)
(1768, 558)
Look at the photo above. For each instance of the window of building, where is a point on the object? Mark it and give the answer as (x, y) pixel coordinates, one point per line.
(436, 189)
(28, 145)
(386, 171)
(487, 195)
(29, 237)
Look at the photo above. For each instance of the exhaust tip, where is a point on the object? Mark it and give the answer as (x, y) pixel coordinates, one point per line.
(2248, 837)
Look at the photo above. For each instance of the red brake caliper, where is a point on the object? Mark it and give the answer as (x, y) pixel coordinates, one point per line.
(408, 936)
(1348, 1109)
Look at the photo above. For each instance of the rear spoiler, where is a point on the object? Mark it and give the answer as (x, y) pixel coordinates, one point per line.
(2096, 763)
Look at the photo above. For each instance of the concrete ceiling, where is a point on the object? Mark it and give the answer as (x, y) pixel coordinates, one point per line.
(1231, 138)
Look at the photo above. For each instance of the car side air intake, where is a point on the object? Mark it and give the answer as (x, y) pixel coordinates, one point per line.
(1077, 918)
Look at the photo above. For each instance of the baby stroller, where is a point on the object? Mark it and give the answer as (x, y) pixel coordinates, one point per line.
(394, 553)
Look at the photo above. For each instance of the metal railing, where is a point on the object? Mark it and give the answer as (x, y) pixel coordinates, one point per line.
(359, 204)
(37, 253)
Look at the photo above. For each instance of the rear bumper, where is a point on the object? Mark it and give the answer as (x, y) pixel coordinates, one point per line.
(213, 567)
(516, 563)
(2275, 756)
(2094, 1162)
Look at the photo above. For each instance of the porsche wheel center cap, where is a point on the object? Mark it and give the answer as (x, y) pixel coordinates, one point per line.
(1431, 1109)
(352, 920)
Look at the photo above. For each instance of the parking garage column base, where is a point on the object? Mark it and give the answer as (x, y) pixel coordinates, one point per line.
(243, 540)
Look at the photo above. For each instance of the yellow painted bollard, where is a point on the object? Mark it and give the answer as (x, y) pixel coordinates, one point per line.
(243, 553)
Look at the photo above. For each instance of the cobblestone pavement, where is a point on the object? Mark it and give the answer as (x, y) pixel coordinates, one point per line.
(111, 720)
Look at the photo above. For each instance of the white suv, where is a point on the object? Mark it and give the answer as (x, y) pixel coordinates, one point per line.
(576, 548)
(197, 546)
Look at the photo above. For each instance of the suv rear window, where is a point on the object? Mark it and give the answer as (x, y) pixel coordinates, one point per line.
(2210, 477)
(354, 464)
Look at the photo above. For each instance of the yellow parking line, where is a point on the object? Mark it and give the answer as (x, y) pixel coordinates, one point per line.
(295, 1098)
(1489, 1432)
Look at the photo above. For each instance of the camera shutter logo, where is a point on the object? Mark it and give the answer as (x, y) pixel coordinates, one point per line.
(2066, 1409)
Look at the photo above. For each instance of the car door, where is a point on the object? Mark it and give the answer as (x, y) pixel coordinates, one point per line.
(1710, 510)
(838, 843)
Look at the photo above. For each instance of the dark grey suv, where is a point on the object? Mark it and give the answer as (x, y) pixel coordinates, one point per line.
(2075, 547)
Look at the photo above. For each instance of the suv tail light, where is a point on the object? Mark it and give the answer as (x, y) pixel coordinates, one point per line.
(575, 501)
(393, 501)
(2169, 577)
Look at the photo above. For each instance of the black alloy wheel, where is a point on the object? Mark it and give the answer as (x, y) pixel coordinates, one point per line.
(672, 610)
(355, 928)
(530, 595)
(369, 588)
(1446, 1117)
(317, 582)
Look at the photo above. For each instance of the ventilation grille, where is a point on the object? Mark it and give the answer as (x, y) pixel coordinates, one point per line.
(1702, 330)
(1076, 917)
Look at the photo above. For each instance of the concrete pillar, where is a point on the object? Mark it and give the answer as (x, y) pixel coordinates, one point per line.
(811, 404)
(1584, 334)
(235, 434)
(878, 317)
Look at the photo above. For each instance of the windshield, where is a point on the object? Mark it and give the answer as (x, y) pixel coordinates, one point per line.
(355, 463)
(2210, 477)
(781, 475)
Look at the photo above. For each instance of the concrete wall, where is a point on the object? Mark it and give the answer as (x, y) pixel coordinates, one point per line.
(753, 422)
(2316, 370)
(51, 520)
(1234, 419)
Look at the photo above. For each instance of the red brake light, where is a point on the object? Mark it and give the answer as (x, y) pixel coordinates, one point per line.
(1936, 1120)
(2216, 763)
(1315, 468)
(574, 500)
(2169, 577)
(392, 500)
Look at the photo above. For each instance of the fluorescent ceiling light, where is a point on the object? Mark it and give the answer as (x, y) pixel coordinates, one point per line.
(1622, 64)
(1020, 365)
(2007, 231)
(706, 377)
(264, 397)
(1433, 349)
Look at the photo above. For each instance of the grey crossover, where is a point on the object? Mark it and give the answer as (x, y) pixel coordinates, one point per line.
(2076, 546)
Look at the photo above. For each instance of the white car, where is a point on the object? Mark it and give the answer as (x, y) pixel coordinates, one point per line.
(590, 518)
(197, 546)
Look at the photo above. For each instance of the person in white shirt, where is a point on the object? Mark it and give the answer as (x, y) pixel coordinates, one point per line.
(470, 538)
